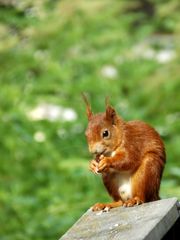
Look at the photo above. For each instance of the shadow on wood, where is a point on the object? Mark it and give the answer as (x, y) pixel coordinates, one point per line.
(150, 221)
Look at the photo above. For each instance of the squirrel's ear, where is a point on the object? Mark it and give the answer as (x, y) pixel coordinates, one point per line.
(88, 107)
(110, 112)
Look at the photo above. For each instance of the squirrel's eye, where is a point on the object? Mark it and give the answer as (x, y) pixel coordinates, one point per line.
(105, 134)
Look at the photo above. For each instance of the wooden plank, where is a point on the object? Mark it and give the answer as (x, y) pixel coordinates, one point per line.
(148, 221)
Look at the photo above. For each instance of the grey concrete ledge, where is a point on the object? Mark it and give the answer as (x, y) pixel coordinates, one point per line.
(148, 221)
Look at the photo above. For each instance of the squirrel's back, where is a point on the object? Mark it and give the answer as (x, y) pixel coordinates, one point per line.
(143, 138)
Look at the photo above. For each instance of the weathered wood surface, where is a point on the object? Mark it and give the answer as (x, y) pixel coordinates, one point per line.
(149, 221)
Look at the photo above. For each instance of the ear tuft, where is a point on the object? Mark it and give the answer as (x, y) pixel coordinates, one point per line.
(88, 106)
(110, 114)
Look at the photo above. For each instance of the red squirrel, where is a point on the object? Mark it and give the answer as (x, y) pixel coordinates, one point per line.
(129, 155)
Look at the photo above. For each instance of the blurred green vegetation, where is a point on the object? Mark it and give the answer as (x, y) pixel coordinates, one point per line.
(51, 51)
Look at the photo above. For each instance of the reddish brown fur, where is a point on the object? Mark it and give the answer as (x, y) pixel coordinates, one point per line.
(138, 150)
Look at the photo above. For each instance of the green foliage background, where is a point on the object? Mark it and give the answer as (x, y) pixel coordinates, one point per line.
(51, 51)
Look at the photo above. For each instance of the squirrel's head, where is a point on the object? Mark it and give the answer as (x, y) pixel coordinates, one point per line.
(104, 130)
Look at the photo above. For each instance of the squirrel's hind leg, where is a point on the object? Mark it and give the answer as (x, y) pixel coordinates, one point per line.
(146, 180)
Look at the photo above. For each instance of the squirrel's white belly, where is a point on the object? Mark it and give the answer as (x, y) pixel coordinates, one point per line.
(123, 184)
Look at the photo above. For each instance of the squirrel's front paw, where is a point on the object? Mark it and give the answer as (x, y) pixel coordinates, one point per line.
(93, 166)
(104, 164)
